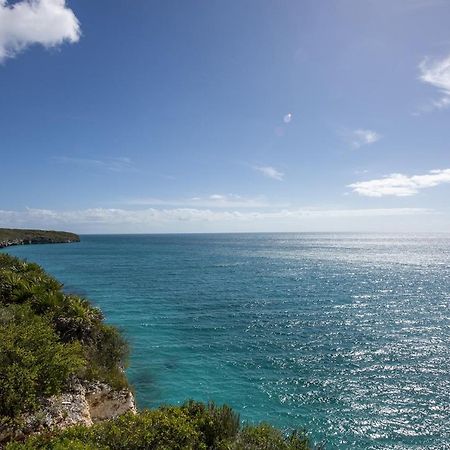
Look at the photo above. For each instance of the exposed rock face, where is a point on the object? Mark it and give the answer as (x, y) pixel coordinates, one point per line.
(105, 403)
(84, 404)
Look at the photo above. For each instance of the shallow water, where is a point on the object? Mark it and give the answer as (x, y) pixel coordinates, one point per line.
(347, 335)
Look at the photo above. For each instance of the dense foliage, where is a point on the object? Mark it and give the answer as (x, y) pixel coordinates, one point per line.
(46, 336)
(33, 361)
(194, 426)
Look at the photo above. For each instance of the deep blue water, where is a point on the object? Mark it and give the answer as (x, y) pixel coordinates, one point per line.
(347, 335)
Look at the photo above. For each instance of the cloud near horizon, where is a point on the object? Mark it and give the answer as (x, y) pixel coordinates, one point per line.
(437, 73)
(270, 172)
(151, 219)
(27, 22)
(399, 185)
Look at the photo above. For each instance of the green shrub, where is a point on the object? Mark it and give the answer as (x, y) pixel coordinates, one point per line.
(216, 423)
(191, 426)
(33, 362)
(55, 444)
(167, 428)
(74, 319)
(266, 437)
(107, 356)
(22, 282)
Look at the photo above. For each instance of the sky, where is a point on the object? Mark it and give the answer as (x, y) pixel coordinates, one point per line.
(154, 116)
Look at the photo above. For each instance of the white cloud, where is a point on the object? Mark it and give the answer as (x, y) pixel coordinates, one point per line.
(115, 164)
(210, 201)
(270, 172)
(194, 220)
(400, 185)
(360, 137)
(151, 217)
(27, 22)
(437, 74)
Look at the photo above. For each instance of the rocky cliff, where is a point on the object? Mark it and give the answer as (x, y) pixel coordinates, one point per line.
(84, 403)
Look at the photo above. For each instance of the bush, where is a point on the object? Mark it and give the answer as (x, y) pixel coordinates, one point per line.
(73, 319)
(76, 319)
(192, 426)
(167, 428)
(33, 362)
(107, 356)
(56, 444)
(266, 437)
(216, 423)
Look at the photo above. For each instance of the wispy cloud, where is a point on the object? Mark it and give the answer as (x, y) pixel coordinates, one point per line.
(437, 73)
(114, 164)
(210, 201)
(150, 218)
(27, 22)
(400, 185)
(270, 172)
(360, 137)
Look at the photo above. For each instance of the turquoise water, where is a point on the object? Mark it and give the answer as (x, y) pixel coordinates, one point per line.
(347, 335)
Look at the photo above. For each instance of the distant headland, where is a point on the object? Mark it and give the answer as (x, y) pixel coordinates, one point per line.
(13, 236)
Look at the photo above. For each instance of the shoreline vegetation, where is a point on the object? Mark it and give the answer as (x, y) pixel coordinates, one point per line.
(11, 236)
(63, 384)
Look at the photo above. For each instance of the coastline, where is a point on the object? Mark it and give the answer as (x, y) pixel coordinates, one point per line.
(80, 396)
(11, 237)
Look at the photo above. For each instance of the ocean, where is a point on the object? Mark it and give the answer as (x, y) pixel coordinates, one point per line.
(345, 335)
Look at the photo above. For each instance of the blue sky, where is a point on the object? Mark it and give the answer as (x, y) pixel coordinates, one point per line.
(254, 115)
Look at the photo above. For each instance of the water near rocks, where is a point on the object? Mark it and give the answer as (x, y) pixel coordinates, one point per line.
(347, 335)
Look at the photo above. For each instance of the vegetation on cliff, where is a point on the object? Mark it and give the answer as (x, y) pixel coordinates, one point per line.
(193, 426)
(13, 236)
(48, 337)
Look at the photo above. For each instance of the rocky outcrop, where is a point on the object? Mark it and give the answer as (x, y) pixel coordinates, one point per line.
(85, 403)
(106, 403)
